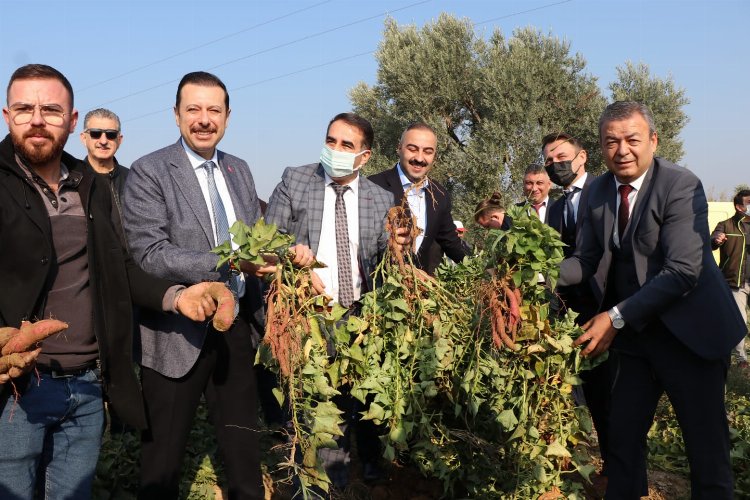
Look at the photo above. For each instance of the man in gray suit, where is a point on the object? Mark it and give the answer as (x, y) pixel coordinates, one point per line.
(340, 215)
(178, 204)
(668, 317)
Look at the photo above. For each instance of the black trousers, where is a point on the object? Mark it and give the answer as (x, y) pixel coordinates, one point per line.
(224, 374)
(645, 365)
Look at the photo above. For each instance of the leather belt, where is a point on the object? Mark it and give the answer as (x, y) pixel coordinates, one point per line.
(66, 372)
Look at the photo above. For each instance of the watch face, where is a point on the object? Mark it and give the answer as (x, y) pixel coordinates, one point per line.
(618, 323)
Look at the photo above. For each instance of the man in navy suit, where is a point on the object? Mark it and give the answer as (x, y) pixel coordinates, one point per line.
(429, 202)
(668, 316)
(565, 163)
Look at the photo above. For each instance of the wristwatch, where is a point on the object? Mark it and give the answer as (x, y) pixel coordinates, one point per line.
(617, 321)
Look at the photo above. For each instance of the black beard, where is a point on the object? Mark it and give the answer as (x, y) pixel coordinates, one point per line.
(36, 155)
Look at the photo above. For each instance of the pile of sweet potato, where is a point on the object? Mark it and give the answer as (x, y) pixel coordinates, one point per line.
(19, 345)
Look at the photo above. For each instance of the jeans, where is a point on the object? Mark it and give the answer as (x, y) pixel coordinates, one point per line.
(50, 437)
(741, 297)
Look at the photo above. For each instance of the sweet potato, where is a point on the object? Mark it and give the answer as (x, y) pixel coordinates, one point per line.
(224, 315)
(31, 334)
(6, 333)
(10, 361)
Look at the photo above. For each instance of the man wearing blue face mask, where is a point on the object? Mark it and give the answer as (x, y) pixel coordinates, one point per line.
(732, 238)
(340, 215)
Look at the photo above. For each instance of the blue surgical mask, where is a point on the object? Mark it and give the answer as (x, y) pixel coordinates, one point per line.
(338, 164)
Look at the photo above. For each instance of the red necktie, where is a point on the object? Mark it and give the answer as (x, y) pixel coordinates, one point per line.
(537, 206)
(623, 214)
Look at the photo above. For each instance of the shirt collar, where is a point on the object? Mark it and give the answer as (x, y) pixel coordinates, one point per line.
(198, 161)
(353, 185)
(579, 183)
(406, 183)
(636, 183)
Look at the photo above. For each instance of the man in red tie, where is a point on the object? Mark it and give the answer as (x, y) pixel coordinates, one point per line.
(666, 315)
(536, 186)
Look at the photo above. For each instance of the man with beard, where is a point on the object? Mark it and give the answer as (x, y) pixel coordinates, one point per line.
(428, 201)
(179, 203)
(61, 257)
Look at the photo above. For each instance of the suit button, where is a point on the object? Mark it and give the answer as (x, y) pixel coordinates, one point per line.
(44, 260)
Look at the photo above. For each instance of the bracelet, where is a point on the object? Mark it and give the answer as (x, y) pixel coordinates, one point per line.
(177, 299)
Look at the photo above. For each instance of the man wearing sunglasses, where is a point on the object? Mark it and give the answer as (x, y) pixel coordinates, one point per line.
(102, 138)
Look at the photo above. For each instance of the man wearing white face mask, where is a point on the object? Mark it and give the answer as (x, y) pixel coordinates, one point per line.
(340, 215)
(732, 238)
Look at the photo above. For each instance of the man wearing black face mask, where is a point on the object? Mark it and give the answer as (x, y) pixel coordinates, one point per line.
(565, 162)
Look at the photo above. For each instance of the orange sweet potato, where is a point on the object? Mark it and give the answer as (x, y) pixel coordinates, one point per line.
(224, 315)
(31, 334)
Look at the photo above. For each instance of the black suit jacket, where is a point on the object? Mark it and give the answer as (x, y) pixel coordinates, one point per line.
(440, 229)
(580, 298)
(677, 279)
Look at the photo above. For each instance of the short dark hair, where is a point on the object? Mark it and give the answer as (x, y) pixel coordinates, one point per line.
(621, 110)
(535, 168)
(101, 113)
(202, 79)
(39, 72)
(738, 199)
(561, 136)
(417, 126)
(357, 122)
(489, 206)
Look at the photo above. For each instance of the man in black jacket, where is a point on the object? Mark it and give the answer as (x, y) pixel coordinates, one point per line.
(428, 201)
(61, 257)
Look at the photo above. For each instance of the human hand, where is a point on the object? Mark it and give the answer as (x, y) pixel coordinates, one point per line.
(269, 267)
(403, 238)
(317, 283)
(302, 255)
(720, 239)
(599, 333)
(195, 302)
(15, 365)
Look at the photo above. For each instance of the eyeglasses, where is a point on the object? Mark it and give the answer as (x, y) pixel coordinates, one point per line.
(23, 113)
(96, 133)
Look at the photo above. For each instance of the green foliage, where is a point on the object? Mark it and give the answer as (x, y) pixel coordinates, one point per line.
(253, 242)
(491, 100)
(662, 96)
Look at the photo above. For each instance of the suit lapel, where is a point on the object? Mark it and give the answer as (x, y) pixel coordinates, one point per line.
(609, 212)
(583, 201)
(186, 181)
(237, 186)
(315, 201)
(366, 218)
(642, 200)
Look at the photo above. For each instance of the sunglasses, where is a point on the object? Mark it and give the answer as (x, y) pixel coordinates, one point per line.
(96, 133)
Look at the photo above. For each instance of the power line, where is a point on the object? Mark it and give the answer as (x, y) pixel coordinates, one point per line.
(266, 80)
(276, 47)
(522, 12)
(186, 51)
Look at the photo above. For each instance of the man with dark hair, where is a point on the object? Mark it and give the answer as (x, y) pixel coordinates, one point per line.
(179, 203)
(667, 315)
(732, 238)
(428, 201)
(341, 216)
(61, 257)
(536, 187)
(565, 163)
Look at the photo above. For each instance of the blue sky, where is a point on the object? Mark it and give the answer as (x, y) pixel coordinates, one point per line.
(278, 58)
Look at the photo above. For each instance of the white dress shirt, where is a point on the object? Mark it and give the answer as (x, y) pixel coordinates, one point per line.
(327, 246)
(575, 197)
(221, 186)
(417, 204)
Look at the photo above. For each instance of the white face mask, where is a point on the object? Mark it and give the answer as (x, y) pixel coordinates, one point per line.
(338, 164)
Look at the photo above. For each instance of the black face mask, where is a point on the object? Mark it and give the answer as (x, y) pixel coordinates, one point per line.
(561, 172)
